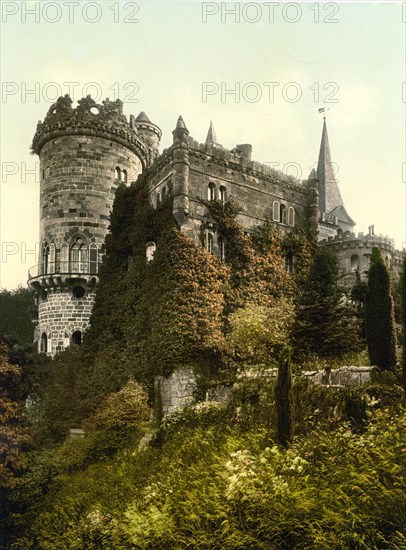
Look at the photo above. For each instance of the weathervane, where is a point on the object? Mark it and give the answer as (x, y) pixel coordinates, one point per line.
(323, 110)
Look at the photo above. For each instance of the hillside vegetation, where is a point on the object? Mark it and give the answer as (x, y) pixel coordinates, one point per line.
(284, 464)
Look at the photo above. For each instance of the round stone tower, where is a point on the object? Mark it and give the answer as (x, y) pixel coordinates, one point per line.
(85, 153)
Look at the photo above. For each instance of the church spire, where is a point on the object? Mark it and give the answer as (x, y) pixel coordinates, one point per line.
(330, 196)
(211, 135)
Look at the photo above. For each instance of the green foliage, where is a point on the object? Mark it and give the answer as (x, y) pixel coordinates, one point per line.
(283, 396)
(403, 294)
(209, 482)
(324, 326)
(379, 315)
(257, 332)
(122, 412)
(16, 311)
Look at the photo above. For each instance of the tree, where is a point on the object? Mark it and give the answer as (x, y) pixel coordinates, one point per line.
(403, 279)
(16, 309)
(14, 437)
(283, 395)
(379, 315)
(325, 325)
(256, 331)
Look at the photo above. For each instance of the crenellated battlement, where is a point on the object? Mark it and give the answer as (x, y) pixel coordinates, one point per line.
(367, 240)
(104, 120)
(241, 156)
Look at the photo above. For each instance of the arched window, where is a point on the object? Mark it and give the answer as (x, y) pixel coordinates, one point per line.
(77, 338)
(150, 251)
(221, 245)
(93, 267)
(45, 258)
(158, 199)
(64, 267)
(210, 243)
(354, 262)
(211, 192)
(44, 343)
(124, 177)
(291, 216)
(79, 256)
(163, 193)
(223, 194)
(283, 214)
(366, 259)
(289, 263)
(117, 173)
(51, 267)
(275, 211)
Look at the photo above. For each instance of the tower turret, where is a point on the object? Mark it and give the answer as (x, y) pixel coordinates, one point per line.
(149, 133)
(180, 166)
(85, 153)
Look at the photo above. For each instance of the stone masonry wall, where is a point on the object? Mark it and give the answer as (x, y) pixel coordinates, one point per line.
(61, 314)
(177, 390)
(78, 184)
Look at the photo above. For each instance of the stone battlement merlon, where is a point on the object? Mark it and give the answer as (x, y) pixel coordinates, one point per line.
(251, 167)
(104, 120)
(369, 240)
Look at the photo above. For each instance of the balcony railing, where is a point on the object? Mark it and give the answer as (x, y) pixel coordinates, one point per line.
(71, 269)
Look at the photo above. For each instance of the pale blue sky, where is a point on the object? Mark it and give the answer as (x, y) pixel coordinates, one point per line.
(170, 53)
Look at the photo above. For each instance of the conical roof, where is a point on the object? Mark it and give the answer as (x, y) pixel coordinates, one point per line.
(142, 117)
(180, 123)
(330, 196)
(211, 135)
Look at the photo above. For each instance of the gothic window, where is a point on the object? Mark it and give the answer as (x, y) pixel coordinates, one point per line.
(163, 193)
(124, 176)
(283, 214)
(289, 263)
(291, 216)
(77, 338)
(44, 343)
(275, 211)
(354, 262)
(158, 199)
(52, 254)
(211, 192)
(221, 248)
(45, 258)
(117, 173)
(222, 194)
(64, 258)
(210, 243)
(79, 256)
(93, 258)
(150, 251)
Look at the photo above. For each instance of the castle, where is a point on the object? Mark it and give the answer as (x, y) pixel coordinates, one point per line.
(87, 151)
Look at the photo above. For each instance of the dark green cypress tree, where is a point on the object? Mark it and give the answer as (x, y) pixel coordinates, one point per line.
(379, 315)
(404, 323)
(283, 395)
(324, 325)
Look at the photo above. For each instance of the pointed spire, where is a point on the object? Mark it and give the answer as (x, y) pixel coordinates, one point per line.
(211, 135)
(312, 175)
(180, 123)
(330, 196)
(180, 132)
(142, 117)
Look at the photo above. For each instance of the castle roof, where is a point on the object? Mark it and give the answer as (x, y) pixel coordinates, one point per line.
(142, 117)
(180, 123)
(211, 135)
(330, 200)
